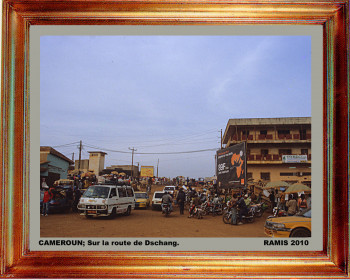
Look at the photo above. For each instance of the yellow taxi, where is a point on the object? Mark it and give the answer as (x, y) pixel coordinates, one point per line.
(141, 200)
(289, 226)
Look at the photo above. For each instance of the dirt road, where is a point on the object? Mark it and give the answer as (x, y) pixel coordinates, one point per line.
(146, 223)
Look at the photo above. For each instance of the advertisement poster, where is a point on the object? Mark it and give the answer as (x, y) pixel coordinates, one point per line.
(231, 166)
(147, 171)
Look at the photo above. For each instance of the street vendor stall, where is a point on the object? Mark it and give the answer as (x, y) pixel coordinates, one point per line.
(298, 188)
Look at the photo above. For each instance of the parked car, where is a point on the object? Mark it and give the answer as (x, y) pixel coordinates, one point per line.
(60, 202)
(170, 190)
(157, 200)
(289, 226)
(141, 200)
(107, 200)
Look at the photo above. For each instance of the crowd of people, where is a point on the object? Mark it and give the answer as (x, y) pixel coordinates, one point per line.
(194, 195)
(291, 203)
(238, 202)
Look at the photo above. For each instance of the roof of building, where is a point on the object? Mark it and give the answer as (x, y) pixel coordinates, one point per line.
(97, 152)
(50, 150)
(266, 121)
(270, 121)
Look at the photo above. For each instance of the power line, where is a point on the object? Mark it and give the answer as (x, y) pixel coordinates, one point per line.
(108, 150)
(177, 139)
(176, 153)
(65, 144)
(153, 153)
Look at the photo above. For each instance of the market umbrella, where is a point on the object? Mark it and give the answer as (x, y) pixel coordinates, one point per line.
(276, 185)
(122, 174)
(114, 172)
(297, 188)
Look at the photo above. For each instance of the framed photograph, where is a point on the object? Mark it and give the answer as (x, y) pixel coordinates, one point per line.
(60, 55)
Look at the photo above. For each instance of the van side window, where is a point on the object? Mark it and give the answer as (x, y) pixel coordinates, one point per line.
(129, 192)
(122, 192)
(113, 193)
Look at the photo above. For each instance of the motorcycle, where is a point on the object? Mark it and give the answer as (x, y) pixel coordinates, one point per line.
(195, 211)
(217, 209)
(278, 212)
(166, 209)
(249, 217)
(210, 207)
(259, 210)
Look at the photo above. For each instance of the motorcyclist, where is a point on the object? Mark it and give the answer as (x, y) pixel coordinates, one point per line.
(167, 199)
(216, 199)
(194, 203)
(242, 209)
(216, 202)
(232, 207)
(247, 200)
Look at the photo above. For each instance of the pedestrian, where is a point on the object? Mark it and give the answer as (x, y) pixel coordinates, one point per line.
(77, 195)
(272, 199)
(291, 205)
(242, 209)
(46, 202)
(253, 197)
(69, 196)
(283, 201)
(43, 184)
(302, 203)
(233, 208)
(308, 201)
(180, 199)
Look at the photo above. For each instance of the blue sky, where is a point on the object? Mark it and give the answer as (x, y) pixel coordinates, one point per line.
(166, 94)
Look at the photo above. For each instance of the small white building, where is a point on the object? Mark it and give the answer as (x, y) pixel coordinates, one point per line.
(97, 161)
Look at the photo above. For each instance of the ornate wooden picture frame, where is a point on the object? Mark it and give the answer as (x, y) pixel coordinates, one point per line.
(17, 260)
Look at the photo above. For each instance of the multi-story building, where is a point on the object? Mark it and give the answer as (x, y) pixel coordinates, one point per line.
(277, 148)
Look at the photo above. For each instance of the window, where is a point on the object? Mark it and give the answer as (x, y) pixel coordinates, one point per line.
(113, 193)
(302, 134)
(286, 174)
(304, 151)
(249, 175)
(248, 152)
(122, 192)
(263, 132)
(130, 192)
(264, 152)
(265, 176)
(283, 131)
(285, 151)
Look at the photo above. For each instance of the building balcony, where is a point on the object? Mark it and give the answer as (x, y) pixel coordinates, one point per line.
(269, 159)
(270, 138)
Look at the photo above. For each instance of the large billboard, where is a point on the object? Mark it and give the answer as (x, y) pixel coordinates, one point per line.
(231, 167)
(147, 171)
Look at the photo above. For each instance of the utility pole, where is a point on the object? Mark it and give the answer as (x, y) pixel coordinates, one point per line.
(73, 157)
(132, 161)
(221, 139)
(80, 148)
(157, 167)
(216, 168)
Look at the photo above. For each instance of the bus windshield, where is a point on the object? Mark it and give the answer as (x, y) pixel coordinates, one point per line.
(97, 192)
